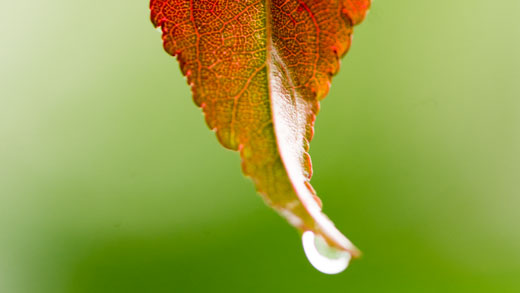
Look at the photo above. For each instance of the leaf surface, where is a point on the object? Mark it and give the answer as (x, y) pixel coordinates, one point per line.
(258, 69)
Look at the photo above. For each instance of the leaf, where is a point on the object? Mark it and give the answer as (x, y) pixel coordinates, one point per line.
(258, 69)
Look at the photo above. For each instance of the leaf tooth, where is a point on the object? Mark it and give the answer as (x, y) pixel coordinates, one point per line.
(356, 10)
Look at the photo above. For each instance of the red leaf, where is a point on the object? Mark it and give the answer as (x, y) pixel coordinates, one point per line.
(258, 70)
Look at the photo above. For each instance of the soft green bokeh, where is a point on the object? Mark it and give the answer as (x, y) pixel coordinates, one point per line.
(110, 180)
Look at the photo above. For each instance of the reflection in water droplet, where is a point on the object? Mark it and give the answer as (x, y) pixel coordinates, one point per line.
(324, 258)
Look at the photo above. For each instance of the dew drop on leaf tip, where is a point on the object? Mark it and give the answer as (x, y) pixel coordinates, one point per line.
(323, 257)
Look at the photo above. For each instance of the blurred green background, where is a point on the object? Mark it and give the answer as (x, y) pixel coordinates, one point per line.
(110, 180)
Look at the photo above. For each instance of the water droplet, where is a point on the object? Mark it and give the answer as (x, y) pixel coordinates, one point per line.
(323, 257)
